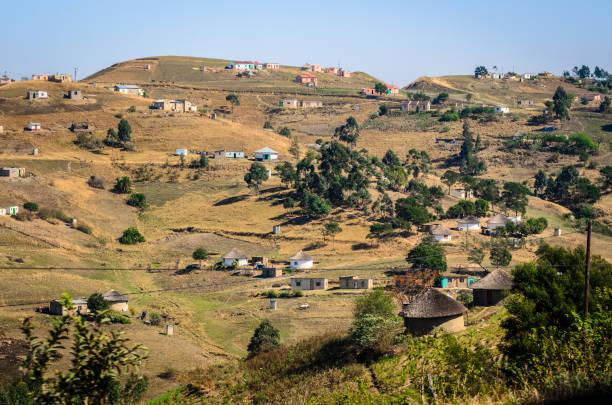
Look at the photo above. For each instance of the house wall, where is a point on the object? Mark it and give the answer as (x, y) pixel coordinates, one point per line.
(266, 156)
(271, 272)
(309, 283)
(442, 238)
(241, 262)
(486, 298)
(356, 283)
(119, 306)
(301, 264)
(424, 326)
(468, 227)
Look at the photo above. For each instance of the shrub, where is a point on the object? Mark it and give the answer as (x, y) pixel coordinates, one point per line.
(449, 116)
(289, 203)
(117, 317)
(96, 182)
(84, 228)
(155, 318)
(132, 109)
(268, 125)
(137, 200)
(96, 303)
(131, 236)
(30, 206)
(123, 185)
(377, 303)
(285, 132)
(48, 213)
(265, 338)
(465, 298)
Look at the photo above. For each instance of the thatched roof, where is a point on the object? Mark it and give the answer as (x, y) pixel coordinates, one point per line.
(437, 229)
(235, 254)
(497, 280)
(301, 256)
(499, 220)
(114, 296)
(469, 220)
(432, 304)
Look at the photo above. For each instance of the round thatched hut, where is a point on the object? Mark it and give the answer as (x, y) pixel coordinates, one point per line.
(433, 310)
(492, 288)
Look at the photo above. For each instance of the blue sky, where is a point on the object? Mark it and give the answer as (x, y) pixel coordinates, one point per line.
(396, 41)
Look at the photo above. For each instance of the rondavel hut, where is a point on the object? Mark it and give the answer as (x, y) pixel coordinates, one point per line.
(433, 310)
(492, 288)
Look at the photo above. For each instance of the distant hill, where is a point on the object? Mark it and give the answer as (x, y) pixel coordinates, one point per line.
(211, 74)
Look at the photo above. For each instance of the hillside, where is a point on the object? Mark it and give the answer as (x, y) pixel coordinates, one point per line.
(179, 70)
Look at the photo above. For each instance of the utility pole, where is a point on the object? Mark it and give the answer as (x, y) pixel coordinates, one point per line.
(587, 281)
(76, 69)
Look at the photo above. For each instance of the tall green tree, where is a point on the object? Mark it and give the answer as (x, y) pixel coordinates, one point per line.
(256, 175)
(480, 70)
(500, 255)
(427, 255)
(97, 303)
(123, 185)
(233, 99)
(540, 181)
(390, 158)
(331, 229)
(265, 338)
(562, 101)
(379, 231)
(199, 254)
(514, 197)
(380, 88)
(349, 132)
(450, 178)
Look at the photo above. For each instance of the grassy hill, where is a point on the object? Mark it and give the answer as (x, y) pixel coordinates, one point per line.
(180, 70)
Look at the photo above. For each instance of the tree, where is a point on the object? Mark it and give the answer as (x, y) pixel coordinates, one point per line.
(380, 88)
(390, 158)
(97, 303)
(112, 139)
(30, 206)
(199, 254)
(314, 205)
(397, 177)
(481, 207)
(131, 236)
(468, 97)
(409, 210)
(287, 173)
(427, 255)
(500, 255)
(331, 229)
(155, 318)
(123, 185)
(606, 173)
(383, 109)
(540, 182)
(449, 178)
(233, 99)
(380, 231)
(284, 131)
(96, 366)
(468, 161)
(138, 200)
(476, 256)
(256, 175)
(349, 132)
(480, 71)
(294, 149)
(265, 338)
(605, 105)
(583, 72)
(600, 73)
(124, 131)
(562, 101)
(377, 303)
(440, 98)
(514, 197)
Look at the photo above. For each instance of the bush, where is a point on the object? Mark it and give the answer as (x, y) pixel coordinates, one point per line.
(449, 116)
(265, 338)
(131, 236)
(285, 132)
(96, 182)
(465, 298)
(137, 200)
(84, 228)
(132, 109)
(30, 206)
(123, 185)
(155, 318)
(96, 303)
(48, 213)
(289, 203)
(375, 335)
(377, 303)
(116, 317)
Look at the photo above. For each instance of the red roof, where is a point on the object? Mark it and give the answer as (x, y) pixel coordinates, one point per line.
(311, 76)
(391, 86)
(256, 63)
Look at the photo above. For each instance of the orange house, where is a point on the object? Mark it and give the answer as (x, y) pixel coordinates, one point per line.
(333, 70)
(310, 80)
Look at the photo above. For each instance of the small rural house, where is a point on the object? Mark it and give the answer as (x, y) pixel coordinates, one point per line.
(79, 304)
(333, 70)
(266, 154)
(371, 91)
(12, 210)
(61, 78)
(592, 97)
(2, 211)
(228, 154)
(12, 172)
(31, 95)
(241, 65)
(258, 65)
(460, 193)
(309, 80)
(524, 103)
(33, 126)
(181, 152)
(271, 272)
(344, 73)
(293, 103)
(129, 89)
(416, 106)
(440, 233)
(497, 220)
(501, 109)
(452, 280)
(306, 283)
(40, 77)
(272, 66)
(356, 283)
(433, 310)
(528, 76)
(311, 104)
(74, 94)
(301, 260)
(118, 302)
(492, 288)
(5, 80)
(392, 90)
(312, 68)
(82, 127)
(469, 223)
(235, 255)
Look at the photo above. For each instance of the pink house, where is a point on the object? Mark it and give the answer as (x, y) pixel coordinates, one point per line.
(369, 92)
(392, 90)
(592, 97)
(310, 80)
(315, 68)
(290, 103)
(331, 70)
(416, 106)
(311, 104)
(272, 66)
(344, 73)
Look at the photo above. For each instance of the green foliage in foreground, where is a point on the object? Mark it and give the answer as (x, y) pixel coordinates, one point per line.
(131, 236)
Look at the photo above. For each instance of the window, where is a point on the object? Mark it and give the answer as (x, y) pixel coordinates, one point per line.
(318, 284)
(298, 283)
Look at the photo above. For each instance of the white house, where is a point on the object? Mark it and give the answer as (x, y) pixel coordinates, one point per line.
(2, 211)
(9, 210)
(37, 94)
(497, 75)
(460, 193)
(516, 219)
(440, 233)
(501, 109)
(181, 152)
(301, 260)
(266, 154)
(228, 154)
(33, 126)
(237, 256)
(469, 223)
(497, 220)
(129, 89)
(528, 75)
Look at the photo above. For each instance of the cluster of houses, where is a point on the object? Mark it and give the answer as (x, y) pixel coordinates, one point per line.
(265, 154)
(588, 97)
(294, 103)
(334, 70)
(179, 106)
(249, 65)
(117, 302)
(434, 310)
(351, 282)
(5, 80)
(511, 76)
(392, 90)
(12, 172)
(74, 94)
(58, 78)
(470, 223)
(235, 258)
(416, 106)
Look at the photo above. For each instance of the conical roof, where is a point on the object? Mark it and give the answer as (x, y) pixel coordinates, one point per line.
(497, 280)
(114, 296)
(432, 304)
(266, 150)
(498, 219)
(438, 229)
(301, 256)
(235, 254)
